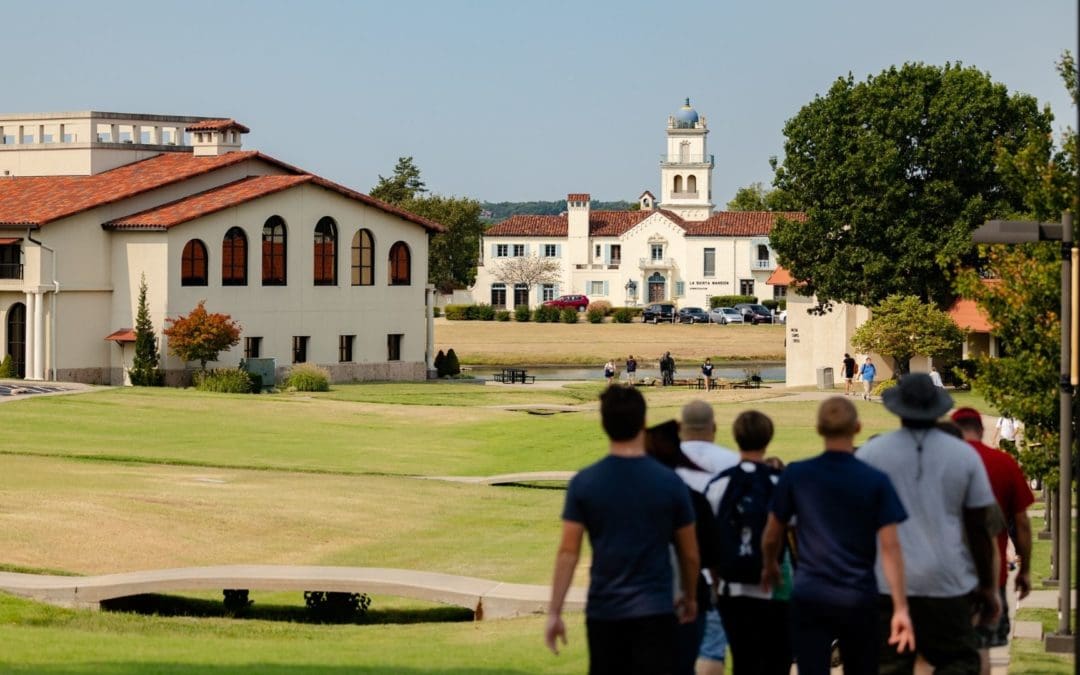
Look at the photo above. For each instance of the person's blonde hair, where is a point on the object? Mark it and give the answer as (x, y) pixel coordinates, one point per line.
(837, 416)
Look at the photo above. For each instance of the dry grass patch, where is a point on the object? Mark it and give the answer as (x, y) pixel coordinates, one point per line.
(505, 343)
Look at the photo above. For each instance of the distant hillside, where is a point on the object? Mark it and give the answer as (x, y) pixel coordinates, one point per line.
(494, 212)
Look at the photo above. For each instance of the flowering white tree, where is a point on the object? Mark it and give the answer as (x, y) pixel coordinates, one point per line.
(528, 270)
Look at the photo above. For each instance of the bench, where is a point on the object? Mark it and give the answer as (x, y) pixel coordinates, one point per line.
(513, 376)
(752, 382)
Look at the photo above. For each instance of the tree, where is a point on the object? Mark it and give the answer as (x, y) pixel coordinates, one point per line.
(404, 184)
(756, 197)
(903, 326)
(144, 367)
(894, 174)
(527, 270)
(1023, 299)
(201, 336)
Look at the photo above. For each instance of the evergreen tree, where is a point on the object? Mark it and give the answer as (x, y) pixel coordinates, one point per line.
(144, 368)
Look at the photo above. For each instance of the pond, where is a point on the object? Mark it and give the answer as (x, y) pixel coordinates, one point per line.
(770, 370)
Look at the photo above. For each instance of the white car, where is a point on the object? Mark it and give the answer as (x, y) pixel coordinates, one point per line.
(725, 315)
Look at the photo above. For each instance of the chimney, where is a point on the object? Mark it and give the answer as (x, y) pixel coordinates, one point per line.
(216, 137)
(577, 227)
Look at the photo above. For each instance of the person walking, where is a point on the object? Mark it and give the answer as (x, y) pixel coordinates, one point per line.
(755, 620)
(846, 511)
(935, 377)
(609, 371)
(867, 373)
(947, 541)
(631, 369)
(632, 508)
(1014, 496)
(1006, 433)
(697, 429)
(847, 369)
(706, 372)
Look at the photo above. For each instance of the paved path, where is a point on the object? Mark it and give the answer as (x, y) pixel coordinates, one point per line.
(488, 599)
(15, 390)
(508, 478)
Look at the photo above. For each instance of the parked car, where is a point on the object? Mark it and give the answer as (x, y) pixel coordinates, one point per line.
(783, 316)
(659, 311)
(725, 315)
(578, 302)
(693, 315)
(754, 314)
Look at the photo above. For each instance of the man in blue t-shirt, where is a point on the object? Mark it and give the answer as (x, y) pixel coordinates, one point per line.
(843, 509)
(633, 508)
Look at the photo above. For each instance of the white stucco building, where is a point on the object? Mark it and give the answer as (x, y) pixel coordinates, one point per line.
(92, 201)
(678, 249)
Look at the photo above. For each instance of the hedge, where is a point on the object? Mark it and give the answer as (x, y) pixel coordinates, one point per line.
(730, 300)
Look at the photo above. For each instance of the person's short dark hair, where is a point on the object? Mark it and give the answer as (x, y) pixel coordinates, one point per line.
(753, 430)
(837, 417)
(622, 412)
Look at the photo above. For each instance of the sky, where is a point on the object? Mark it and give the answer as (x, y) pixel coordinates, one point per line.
(509, 100)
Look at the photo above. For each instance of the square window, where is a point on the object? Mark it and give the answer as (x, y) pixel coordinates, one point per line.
(393, 346)
(547, 292)
(550, 251)
(657, 251)
(252, 347)
(519, 250)
(596, 288)
(746, 286)
(502, 250)
(779, 292)
(345, 347)
(299, 348)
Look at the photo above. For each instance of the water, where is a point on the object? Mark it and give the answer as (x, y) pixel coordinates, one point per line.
(770, 370)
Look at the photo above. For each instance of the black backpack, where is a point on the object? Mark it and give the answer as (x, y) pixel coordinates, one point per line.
(740, 521)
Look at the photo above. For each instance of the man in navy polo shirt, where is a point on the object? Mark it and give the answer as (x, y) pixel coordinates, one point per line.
(633, 508)
(843, 509)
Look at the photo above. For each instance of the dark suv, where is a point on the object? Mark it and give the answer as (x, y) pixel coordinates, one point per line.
(754, 314)
(659, 311)
(578, 302)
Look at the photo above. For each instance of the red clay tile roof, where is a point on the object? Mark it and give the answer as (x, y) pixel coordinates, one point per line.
(218, 125)
(189, 208)
(37, 200)
(616, 223)
(578, 197)
(740, 223)
(779, 277)
(122, 335)
(967, 315)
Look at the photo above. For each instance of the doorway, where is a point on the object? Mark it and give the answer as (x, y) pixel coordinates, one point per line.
(16, 338)
(657, 288)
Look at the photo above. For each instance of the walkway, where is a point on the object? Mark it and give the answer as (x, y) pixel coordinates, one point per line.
(488, 599)
(508, 478)
(13, 390)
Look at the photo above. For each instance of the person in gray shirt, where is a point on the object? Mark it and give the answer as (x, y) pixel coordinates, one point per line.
(947, 540)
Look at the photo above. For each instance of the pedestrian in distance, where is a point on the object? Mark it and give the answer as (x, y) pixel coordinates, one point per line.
(867, 373)
(846, 512)
(755, 619)
(632, 508)
(609, 371)
(935, 377)
(667, 369)
(847, 369)
(947, 542)
(631, 369)
(1013, 496)
(707, 372)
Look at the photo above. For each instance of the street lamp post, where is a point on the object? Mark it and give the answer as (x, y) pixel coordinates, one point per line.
(1018, 232)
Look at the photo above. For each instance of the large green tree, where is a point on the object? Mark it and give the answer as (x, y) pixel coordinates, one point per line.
(894, 173)
(757, 197)
(903, 326)
(453, 254)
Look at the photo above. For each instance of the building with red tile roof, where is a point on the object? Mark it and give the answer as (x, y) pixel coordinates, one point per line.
(92, 203)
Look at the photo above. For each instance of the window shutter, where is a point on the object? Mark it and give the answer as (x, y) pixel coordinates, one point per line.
(526, 249)
(494, 250)
(606, 289)
(558, 250)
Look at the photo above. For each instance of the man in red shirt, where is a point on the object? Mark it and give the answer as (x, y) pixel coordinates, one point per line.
(1014, 496)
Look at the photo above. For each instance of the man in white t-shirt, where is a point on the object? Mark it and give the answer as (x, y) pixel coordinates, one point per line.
(1006, 433)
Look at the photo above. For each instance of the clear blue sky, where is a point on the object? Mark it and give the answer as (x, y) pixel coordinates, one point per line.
(508, 100)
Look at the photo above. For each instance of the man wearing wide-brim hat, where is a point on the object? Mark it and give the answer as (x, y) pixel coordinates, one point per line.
(947, 539)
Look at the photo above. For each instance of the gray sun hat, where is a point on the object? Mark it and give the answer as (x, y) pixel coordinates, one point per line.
(916, 398)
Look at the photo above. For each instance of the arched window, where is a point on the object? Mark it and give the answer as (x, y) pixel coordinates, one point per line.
(193, 264)
(326, 252)
(234, 258)
(691, 184)
(363, 259)
(400, 274)
(274, 249)
(678, 184)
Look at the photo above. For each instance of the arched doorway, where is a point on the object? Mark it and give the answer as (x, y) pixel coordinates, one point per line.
(16, 337)
(657, 287)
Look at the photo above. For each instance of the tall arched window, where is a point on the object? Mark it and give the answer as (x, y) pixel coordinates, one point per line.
(193, 264)
(400, 272)
(234, 258)
(326, 252)
(678, 184)
(274, 249)
(363, 259)
(691, 184)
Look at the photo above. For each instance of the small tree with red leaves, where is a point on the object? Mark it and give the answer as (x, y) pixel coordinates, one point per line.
(201, 336)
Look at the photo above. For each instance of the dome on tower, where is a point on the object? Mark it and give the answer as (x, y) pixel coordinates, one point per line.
(686, 117)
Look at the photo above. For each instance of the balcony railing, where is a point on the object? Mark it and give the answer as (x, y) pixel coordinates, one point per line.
(764, 264)
(687, 159)
(11, 271)
(656, 263)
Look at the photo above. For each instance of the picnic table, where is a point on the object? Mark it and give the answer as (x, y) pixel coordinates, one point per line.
(514, 376)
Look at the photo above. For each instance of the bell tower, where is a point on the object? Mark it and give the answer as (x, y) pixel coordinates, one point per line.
(686, 168)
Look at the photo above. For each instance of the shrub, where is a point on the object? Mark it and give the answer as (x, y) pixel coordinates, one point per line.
(783, 304)
(622, 315)
(436, 312)
(595, 315)
(546, 314)
(440, 363)
(452, 365)
(457, 312)
(600, 305)
(502, 315)
(522, 313)
(483, 312)
(307, 377)
(337, 607)
(569, 315)
(880, 387)
(729, 300)
(770, 305)
(225, 381)
(7, 369)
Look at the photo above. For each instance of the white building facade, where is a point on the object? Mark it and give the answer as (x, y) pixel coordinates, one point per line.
(676, 250)
(93, 202)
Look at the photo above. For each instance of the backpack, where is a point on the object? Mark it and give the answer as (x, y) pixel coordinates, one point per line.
(740, 521)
